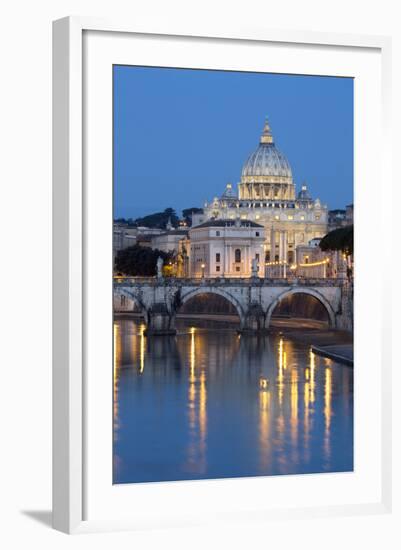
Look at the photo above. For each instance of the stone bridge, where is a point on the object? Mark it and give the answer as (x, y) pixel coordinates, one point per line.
(254, 299)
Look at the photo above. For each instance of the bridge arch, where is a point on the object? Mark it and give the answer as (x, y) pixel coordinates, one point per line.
(188, 295)
(318, 295)
(135, 299)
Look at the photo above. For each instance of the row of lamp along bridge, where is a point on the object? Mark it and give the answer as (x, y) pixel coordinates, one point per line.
(336, 266)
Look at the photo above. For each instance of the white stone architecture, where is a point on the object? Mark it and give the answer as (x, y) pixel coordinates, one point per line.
(226, 248)
(266, 196)
(169, 240)
(125, 235)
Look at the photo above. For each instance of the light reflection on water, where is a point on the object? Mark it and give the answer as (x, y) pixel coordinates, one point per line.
(208, 404)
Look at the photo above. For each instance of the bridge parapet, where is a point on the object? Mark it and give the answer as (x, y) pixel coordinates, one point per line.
(223, 281)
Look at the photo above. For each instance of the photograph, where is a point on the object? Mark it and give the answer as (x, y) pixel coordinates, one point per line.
(233, 274)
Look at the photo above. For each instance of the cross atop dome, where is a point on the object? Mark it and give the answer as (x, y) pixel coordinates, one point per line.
(267, 136)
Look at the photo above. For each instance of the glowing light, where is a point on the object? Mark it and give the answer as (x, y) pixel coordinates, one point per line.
(315, 264)
(327, 410)
(116, 348)
(277, 262)
(192, 356)
(263, 383)
(202, 410)
(280, 378)
(327, 398)
(116, 367)
(312, 376)
(197, 412)
(264, 427)
(142, 348)
(306, 405)
(294, 406)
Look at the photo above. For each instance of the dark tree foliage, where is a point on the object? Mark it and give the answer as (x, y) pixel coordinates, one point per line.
(187, 214)
(159, 219)
(339, 239)
(139, 261)
(129, 221)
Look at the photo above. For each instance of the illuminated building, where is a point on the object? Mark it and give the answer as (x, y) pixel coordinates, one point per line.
(267, 196)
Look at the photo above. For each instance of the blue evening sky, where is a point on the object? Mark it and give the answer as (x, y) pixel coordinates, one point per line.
(180, 135)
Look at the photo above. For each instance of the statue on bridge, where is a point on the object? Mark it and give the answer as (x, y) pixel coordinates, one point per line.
(254, 268)
(159, 267)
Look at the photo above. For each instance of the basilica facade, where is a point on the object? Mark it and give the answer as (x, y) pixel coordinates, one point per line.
(267, 197)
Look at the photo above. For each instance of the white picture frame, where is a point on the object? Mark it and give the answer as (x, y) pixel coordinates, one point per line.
(71, 307)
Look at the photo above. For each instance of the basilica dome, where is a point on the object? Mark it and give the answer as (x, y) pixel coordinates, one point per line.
(267, 160)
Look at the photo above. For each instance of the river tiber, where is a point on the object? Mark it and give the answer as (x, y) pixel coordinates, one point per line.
(233, 349)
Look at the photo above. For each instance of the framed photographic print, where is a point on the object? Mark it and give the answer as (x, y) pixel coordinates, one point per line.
(213, 195)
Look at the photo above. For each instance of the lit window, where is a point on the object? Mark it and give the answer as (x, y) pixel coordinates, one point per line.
(302, 217)
(290, 217)
(276, 217)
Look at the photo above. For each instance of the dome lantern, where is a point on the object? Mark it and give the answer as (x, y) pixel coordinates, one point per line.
(267, 136)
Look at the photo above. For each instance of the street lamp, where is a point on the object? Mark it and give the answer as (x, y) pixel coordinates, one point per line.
(203, 270)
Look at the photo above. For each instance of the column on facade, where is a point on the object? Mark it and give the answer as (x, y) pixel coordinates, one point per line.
(272, 245)
(281, 252)
(285, 254)
(280, 246)
(226, 260)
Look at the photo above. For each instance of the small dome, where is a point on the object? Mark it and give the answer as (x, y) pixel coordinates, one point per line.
(267, 160)
(304, 195)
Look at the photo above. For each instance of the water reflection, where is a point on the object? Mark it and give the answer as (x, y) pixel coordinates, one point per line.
(207, 404)
(197, 412)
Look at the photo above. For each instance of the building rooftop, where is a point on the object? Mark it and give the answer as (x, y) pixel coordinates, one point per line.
(173, 232)
(228, 223)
